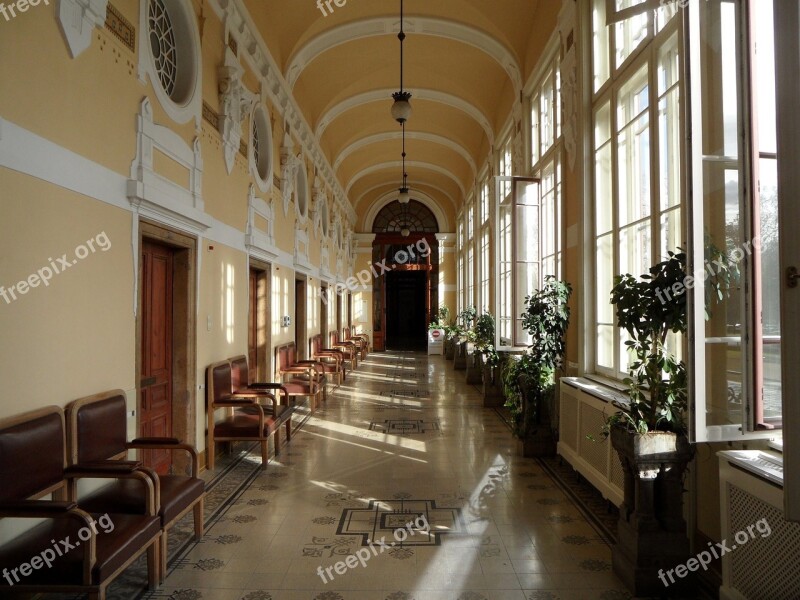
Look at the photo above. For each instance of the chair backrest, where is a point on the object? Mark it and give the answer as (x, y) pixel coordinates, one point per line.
(32, 454)
(291, 353)
(315, 344)
(334, 335)
(281, 357)
(97, 427)
(240, 374)
(219, 381)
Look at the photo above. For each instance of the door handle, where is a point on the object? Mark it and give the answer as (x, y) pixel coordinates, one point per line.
(792, 277)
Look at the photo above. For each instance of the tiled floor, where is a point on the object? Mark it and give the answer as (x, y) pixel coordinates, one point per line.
(404, 437)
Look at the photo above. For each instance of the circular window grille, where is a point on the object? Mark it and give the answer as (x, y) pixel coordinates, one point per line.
(170, 31)
(162, 45)
(414, 216)
(261, 143)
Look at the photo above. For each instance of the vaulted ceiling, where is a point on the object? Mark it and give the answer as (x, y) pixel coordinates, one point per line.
(465, 63)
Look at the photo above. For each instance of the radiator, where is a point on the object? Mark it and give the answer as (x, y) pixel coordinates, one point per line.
(580, 442)
(763, 568)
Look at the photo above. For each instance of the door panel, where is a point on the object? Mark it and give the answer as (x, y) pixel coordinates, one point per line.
(406, 310)
(252, 327)
(155, 418)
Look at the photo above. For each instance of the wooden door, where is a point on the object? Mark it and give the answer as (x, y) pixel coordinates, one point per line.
(252, 327)
(155, 417)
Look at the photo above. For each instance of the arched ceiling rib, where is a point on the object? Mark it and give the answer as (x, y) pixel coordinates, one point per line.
(383, 95)
(396, 166)
(410, 135)
(419, 25)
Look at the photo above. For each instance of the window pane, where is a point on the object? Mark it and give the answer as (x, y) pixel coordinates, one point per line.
(765, 76)
(629, 34)
(671, 233)
(770, 286)
(535, 130)
(605, 279)
(600, 44)
(633, 162)
(605, 346)
(634, 249)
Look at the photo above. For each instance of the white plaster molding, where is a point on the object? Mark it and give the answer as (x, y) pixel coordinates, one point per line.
(260, 243)
(301, 259)
(290, 164)
(433, 26)
(411, 135)
(320, 213)
(236, 103)
(410, 164)
(77, 19)
(383, 95)
(153, 194)
(255, 51)
(567, 20)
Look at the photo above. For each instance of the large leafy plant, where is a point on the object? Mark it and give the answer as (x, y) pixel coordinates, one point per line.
(649, 308)
(546, 319)
(484, 339)
(442, 318)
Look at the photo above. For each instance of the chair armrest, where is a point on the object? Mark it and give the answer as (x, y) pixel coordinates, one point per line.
(126, 470)
(35, 509)
(231, 402)
(162, 442)
(151, 443)
(107, 467)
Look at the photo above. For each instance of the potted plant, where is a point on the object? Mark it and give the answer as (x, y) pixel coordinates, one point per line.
(437, 328)
(530, 379)
(490, 359)
(649, 432)
(463, 333)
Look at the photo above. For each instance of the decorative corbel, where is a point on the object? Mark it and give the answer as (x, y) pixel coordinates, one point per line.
(236, 102)
(290, 163)
(77, 19)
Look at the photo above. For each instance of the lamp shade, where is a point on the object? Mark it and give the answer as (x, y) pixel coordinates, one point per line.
(401, 109)
(405, 232)
(403, 197)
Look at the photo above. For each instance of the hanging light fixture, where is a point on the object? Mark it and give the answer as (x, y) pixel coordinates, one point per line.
(404, 197)
(401, 109)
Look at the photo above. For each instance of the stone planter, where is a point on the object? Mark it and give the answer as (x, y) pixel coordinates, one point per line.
(540, 438)
(460, 358)
(475, 368)
(450, 349)
(652, 532)
(492, 387)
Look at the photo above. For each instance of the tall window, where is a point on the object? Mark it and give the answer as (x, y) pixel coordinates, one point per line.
(470, 275)
(637, 201)
(736, 349)
(505, 168)
(460, 287)
(546, 152)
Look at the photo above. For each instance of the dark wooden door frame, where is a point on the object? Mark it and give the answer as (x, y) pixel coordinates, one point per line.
(184, 337)
(264, 316)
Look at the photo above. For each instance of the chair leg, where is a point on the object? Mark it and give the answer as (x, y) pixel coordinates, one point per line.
(210, 454)
(199, 524)
(264, 453)
(288, 430)
(162, 575)
(153, 566)
(277, 442)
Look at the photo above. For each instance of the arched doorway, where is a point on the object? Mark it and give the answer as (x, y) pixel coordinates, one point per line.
(405, 296)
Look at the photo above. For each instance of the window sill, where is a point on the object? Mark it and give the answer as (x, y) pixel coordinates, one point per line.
(602, 389)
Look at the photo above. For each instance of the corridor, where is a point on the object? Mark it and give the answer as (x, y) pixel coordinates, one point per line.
(404, 436)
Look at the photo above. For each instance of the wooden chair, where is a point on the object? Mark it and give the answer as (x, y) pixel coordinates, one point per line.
(242, 387)
(32, 466)
(361, 342)
(300, 380)
(348, 349)
(333, 360)
(97, 432)
(246, 419)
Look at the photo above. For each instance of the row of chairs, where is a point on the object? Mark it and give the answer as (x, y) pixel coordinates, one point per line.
(68, 551)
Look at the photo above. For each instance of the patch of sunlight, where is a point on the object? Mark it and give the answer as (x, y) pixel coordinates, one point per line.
(394, 440)
(464, 556)
(371, 448)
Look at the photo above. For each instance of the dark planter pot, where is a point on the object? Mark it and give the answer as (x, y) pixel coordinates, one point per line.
(475, 368)
(449, 349)
(539, 440)
(492, 387)
(652, 532)
(460, 358)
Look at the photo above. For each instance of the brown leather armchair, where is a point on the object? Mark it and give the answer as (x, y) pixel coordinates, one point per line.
(97, 432)
(67, 552)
